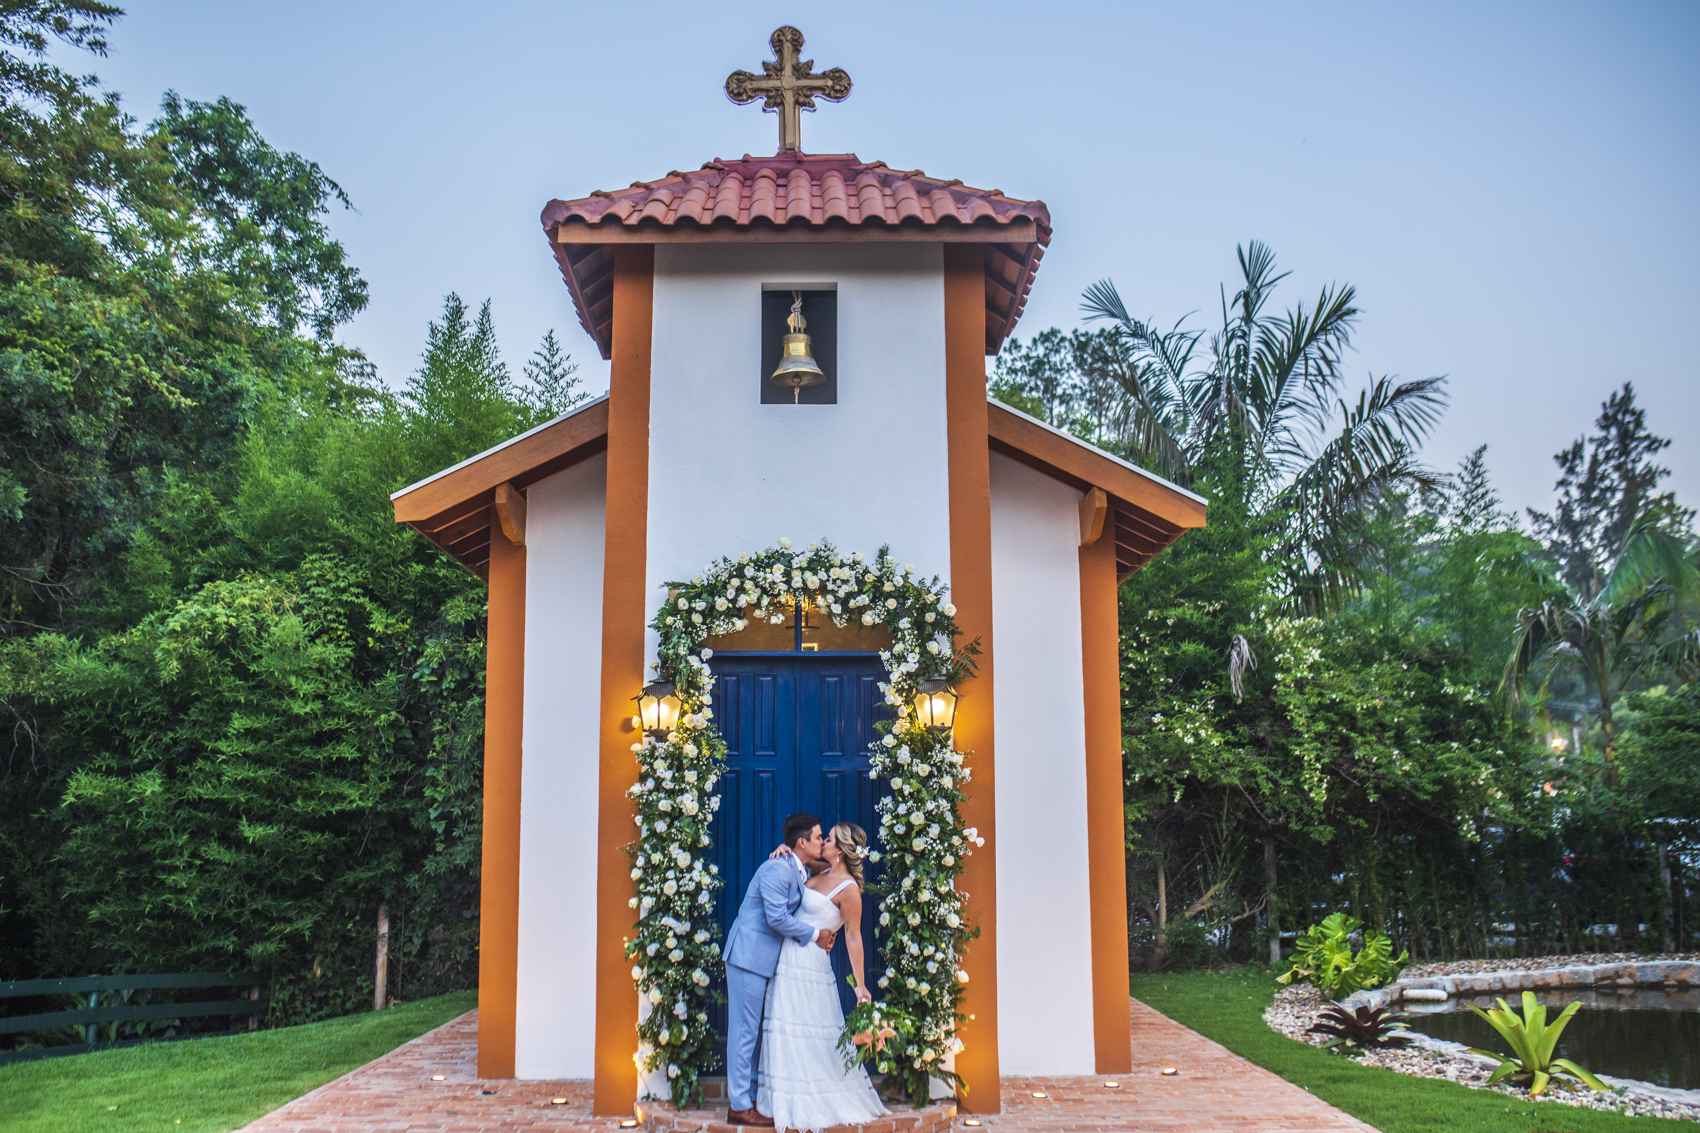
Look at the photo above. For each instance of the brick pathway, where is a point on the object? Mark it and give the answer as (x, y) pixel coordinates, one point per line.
(1214, 1092)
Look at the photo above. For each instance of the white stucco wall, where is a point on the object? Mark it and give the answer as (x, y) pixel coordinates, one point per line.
(1044, 903)
(553, 1034)
(729, 474)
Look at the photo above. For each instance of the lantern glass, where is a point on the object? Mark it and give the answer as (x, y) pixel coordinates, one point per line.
(658, 708)
(935, 705)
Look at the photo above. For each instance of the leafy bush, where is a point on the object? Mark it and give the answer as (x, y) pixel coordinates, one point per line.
(1323, 957)
(1533, 1041)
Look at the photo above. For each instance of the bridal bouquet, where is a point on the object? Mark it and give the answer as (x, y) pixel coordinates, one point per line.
(868, 1029)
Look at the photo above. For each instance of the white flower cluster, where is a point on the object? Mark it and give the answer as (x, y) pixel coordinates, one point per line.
(922, 922)
(674, 943)
(921, 916)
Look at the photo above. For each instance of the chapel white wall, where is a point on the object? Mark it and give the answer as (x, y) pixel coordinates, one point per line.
(553, 1035)
(729, 474)
(1044, 903)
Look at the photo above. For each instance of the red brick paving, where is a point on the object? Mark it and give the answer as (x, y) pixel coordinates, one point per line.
(1214, 1092)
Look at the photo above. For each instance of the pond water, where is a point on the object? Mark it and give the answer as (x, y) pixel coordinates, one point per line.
(1652, 1036)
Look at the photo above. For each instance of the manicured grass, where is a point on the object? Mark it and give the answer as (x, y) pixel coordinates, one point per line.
(1229, 1008)
(206, 1085)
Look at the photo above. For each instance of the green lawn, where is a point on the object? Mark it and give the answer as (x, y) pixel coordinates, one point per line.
(1229, 1008)
(206, 1085)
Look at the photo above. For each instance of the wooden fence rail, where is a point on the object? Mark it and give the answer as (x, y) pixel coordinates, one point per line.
(94, 1013)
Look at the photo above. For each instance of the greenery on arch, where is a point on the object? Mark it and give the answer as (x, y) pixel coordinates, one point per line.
(921, 836)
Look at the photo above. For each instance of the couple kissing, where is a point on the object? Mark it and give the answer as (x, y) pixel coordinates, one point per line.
(780, 989)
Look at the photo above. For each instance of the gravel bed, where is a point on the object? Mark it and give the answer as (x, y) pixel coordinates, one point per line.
(1541, 963)
(1296, 1008)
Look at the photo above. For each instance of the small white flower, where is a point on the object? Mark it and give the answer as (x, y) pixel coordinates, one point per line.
(786, 543)
(949, 610)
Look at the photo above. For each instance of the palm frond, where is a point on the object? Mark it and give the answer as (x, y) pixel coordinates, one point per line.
(1654, 549)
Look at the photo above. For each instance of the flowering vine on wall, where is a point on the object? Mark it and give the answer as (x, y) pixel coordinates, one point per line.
(921, 838)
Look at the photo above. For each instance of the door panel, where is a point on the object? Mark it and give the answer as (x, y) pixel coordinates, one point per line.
(798, 727)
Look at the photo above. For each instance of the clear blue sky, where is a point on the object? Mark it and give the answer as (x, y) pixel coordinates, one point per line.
(1513, 188)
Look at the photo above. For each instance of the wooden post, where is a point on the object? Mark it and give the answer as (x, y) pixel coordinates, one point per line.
(1269, 901)
(380, 981)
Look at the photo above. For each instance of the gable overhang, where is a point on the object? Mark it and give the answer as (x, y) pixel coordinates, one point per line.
(455, 509)
(797, 199)
(1146, 513)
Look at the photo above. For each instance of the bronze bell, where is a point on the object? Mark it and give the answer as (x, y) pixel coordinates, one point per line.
(797, 370)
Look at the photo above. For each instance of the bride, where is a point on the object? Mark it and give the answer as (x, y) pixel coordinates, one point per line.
(803, 1083)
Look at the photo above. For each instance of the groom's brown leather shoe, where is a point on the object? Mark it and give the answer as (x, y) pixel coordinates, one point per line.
(751, 1116)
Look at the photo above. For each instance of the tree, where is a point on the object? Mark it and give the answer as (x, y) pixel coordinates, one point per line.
(462, 394)
(1630, 629)
(553, 382)
(1266, 392)
(1605, 483)
(263, 208)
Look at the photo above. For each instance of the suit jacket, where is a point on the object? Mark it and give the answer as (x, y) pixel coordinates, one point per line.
(767, 917)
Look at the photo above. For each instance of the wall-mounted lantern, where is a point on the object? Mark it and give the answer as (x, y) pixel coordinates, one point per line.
(658, 708)
(935, 706)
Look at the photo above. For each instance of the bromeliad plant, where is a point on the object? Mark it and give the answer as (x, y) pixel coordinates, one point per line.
(1532, 1040)
(923, 839)
(1323, 956)
(1367, 1028)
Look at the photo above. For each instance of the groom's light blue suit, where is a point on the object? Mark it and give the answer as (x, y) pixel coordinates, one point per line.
(765, 919)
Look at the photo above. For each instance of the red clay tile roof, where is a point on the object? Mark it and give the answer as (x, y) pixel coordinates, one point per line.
(798, 198)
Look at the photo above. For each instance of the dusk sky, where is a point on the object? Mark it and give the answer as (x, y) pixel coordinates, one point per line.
(1513, 188)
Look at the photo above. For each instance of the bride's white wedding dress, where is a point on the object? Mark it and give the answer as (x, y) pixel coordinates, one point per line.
(803, 1083)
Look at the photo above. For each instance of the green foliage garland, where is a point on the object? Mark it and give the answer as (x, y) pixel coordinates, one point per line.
(924, 928)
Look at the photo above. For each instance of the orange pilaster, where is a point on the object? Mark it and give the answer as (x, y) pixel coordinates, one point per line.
(624, 615)
(971, 591)
(1099, 631)
(504, 706)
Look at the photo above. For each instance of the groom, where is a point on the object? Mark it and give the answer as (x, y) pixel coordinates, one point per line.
(765, 919)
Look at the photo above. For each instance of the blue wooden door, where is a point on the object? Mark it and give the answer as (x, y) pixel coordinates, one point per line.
(798, 727)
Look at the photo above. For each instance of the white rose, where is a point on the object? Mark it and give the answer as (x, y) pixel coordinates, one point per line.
(891, 603)
(949, 610)
(786, 543)
(670, 888)
(676, 955)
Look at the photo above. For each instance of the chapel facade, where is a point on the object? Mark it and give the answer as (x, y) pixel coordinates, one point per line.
(906, 283)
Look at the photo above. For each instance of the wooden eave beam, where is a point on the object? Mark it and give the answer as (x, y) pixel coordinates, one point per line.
(1075, 464)
(524, 462)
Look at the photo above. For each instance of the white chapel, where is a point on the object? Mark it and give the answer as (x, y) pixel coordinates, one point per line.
(904, 284)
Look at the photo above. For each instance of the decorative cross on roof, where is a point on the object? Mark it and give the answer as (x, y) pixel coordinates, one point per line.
(789, 86)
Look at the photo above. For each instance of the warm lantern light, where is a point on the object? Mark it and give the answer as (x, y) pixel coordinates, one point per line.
(557, 1101)
(658, 708)
(1040, 1094)
(935, 705)
(1170, 1071)
(438, 1077)
(629, 1123)
(972, 1122)
(1112, 1085)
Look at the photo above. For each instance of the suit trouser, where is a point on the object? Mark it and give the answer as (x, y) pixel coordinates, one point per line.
(745, 993)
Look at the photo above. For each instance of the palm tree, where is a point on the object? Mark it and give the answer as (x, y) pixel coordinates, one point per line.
(1267, 394)
(1620, 635)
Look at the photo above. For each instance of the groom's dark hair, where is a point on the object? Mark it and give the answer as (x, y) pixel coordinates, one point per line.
(798, 826)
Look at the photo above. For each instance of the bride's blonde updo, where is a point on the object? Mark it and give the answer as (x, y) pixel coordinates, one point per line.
(852, 842)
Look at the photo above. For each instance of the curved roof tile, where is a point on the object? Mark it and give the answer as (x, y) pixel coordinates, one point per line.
(801, 192)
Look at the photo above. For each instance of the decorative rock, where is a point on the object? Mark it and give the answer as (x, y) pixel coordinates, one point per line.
(1425, 995)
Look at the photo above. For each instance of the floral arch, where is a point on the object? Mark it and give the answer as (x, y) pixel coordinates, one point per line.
(921, 837)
